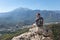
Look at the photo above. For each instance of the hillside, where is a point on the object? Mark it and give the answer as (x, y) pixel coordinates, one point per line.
(21, 17)
(9, 35)
(56, 31)
(28, 15)
(35, 33)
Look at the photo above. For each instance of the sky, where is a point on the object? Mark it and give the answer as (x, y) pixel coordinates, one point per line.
(9, 5)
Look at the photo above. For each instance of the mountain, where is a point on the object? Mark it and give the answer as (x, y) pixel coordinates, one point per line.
(27, 16)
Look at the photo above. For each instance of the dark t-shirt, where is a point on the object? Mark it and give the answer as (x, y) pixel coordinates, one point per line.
(39, 22)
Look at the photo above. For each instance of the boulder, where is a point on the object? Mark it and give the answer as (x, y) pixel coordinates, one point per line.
(35, 33)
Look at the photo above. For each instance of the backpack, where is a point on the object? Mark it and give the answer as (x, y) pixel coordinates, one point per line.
(39, 22)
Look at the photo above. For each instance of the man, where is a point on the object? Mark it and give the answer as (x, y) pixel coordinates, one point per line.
(41, 29)
(39, 20)
(38, 24)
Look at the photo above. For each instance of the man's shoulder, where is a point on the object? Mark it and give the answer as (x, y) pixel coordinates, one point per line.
(41, 17)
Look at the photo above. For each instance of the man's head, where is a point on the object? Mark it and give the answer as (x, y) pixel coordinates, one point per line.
(38, 15)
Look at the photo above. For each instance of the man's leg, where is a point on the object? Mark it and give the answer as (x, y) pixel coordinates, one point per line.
(40, 30)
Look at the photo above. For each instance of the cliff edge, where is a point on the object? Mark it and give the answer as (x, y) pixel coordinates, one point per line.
(35, 33)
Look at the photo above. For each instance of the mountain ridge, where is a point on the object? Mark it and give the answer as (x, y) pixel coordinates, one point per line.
(25, 15)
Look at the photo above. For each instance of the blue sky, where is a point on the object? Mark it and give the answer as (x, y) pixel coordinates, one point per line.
(9, 5)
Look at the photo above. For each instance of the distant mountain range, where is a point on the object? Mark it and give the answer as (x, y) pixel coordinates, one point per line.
(25, 15)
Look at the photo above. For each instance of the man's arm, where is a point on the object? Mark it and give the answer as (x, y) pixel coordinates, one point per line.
(34, 25)
(42, 21)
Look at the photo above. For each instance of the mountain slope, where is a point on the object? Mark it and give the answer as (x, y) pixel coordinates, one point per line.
(34, 34)
(25, 15)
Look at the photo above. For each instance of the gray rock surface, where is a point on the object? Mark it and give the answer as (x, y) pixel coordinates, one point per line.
(35, 33)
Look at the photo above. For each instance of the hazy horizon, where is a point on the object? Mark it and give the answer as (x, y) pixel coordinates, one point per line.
(28, 8)
(9, 5)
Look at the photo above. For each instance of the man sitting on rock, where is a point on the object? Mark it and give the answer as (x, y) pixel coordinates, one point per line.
(38, 24)
(39, 20)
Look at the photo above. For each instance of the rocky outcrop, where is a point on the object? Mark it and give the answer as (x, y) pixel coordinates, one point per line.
(35, 33)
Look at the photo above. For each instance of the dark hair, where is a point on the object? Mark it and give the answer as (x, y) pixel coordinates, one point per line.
(38, 13)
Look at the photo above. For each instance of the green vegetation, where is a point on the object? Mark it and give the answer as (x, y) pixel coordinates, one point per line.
(56, 31)
(10, 35)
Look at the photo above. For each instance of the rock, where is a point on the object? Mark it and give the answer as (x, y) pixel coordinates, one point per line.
(35, 33)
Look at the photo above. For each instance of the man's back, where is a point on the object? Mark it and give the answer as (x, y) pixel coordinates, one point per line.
(39, 21)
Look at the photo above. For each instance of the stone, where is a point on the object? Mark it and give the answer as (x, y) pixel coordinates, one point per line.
(35, 33)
